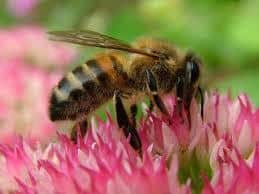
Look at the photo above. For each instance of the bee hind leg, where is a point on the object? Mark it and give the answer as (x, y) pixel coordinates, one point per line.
(129, 128)
(152, 86)
(79, 127)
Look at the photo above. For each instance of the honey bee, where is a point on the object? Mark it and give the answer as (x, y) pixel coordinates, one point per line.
(148, 67)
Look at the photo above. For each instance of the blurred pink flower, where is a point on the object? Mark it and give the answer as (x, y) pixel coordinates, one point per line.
(24, 100)
(26, 59)
(31, 45)
(21, 7)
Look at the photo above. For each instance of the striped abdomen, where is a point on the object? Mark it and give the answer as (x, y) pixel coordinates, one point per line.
(86, 88)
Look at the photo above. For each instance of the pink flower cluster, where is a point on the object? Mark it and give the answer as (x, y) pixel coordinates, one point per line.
(103, 162)
(21, 8)
(232, 174)
(30, 44)
(222, 117)
(26, 58)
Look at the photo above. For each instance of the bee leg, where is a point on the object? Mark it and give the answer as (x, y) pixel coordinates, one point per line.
(152, 86)
(202, 101)
(181, 104)
(126, 125)
(179, 94)
(151, 106)
(82, 126)
(133, 111)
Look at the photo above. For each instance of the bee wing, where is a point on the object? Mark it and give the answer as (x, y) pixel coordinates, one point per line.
(95, 39)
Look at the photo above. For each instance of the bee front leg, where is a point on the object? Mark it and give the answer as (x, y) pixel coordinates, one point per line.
(133, 111)
(179, 94)
(152, 86)
(202, 101)
(124, 123)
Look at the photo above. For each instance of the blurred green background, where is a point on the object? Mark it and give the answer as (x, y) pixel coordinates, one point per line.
(223, 33)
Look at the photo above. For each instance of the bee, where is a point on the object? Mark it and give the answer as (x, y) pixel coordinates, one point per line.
(149, 67)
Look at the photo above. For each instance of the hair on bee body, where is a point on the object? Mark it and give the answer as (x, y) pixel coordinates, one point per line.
(148, 67)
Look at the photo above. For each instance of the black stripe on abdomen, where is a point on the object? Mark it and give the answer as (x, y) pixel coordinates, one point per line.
(99, 73)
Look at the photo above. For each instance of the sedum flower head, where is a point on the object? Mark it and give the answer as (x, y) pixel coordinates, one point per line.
(232, 173)
(216, 154)
(223, 117)
(101, 163)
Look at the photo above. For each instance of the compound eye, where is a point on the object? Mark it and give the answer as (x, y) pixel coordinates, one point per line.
(193, 71)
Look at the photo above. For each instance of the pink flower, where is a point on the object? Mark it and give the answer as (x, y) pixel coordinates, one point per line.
(26, 59)
(31, 45)
(222, 116)
(232, 173)
(23, 99)
(104, 162)
(21, 7)
(100, 164)
(238, 119)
